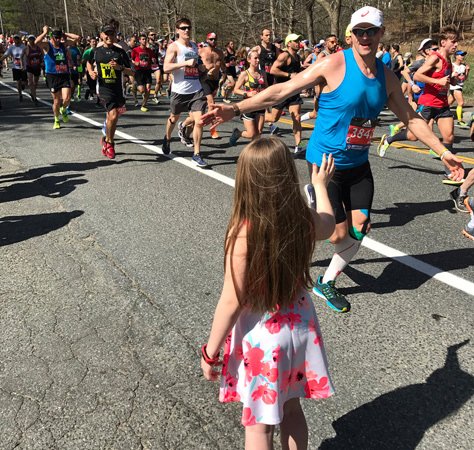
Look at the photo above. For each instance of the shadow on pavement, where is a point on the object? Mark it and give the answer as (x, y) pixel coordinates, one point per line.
(418, 169)
(403, 213)
(398, 419)
(15, 229)
(399, 277)
(52, 187)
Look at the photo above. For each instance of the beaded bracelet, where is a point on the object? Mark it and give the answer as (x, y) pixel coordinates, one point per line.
(211, 361)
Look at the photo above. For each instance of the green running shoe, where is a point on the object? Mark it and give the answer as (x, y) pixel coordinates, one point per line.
(334, 299)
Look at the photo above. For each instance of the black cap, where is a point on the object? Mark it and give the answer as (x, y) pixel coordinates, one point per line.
(16, 36)
(278, 40)
(57, 33)
(107, 28)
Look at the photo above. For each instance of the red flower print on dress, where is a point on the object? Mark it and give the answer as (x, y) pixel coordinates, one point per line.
(293, 319)
(276, 354)
(247, 417)
(271, 374)
(265, 393)
(317, 389)
(275, 322)
(312, 328)
(253, 361)
(230, 397)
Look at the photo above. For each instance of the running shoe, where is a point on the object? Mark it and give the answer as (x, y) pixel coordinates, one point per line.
(226, 100)
(103, 143)
(186, 140)
(334, 299)
(109, 150)
(274, 129)
(468, 231)
(155, 100)
(64, 115)
(310, 195)
(298, 150)
(234, 137)
(462, 124)
(165, 146)
(434, 154)
(214, 133)
(68, 111)
(448, 181)
(198, 160)
(458, 200)
(144, 109)
(56, 125)
(383, 146)
(135, 103)
(393, 130)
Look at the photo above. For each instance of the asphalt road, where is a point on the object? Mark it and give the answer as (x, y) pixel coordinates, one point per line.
(110, 272)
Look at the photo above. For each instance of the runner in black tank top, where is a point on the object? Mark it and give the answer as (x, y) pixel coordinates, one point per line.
(286, 66)
(268, 54)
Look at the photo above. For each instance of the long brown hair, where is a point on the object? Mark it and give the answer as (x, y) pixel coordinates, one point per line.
(280, 230)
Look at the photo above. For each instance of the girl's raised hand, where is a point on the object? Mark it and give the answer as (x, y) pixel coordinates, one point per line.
(324, 174)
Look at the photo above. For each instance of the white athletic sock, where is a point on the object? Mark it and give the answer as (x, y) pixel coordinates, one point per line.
(471, 222)
(305, 117)
(344, 252)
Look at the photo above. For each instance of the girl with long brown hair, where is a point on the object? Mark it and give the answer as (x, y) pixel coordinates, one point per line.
(273, 352)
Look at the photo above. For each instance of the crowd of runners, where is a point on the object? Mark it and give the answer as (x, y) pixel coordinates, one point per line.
(272, 77)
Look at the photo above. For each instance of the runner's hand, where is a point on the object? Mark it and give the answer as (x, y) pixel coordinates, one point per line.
(445, 81)
(45, 29)
(454, 164)
(217, 114)
(190, 62)
(93, 75)
(323, 175)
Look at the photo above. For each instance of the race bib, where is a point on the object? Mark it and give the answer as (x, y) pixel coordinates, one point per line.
(360, 133)
(34, 61)
(61, 65)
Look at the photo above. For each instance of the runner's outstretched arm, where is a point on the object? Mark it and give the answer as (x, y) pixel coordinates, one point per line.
(273, 95)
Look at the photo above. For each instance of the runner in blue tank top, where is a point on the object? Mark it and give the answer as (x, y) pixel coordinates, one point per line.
(354, 87)
(57, 61)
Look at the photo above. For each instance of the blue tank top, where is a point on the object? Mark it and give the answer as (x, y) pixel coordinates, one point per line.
(347, 116)
(55, 61)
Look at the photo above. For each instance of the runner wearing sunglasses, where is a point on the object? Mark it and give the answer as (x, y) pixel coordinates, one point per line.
(356, 88)
(183, 62)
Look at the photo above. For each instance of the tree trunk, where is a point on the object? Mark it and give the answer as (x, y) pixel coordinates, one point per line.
(309, 21)
(333, 9)
(272, 18)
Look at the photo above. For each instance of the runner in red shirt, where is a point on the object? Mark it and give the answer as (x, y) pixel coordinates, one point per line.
(434, 106)
(142, 59)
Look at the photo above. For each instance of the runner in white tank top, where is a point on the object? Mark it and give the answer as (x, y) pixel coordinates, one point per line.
(182, 60)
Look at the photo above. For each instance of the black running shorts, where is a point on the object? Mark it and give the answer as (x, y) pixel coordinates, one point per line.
(350, 190)
(180, 103)
(56, 82)
(111, 98)
(19, 75)
(143, 77)
(294, 100)
(430, 112)
(209, 86)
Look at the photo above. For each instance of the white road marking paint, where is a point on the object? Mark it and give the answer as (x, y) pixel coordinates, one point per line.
(382, 249)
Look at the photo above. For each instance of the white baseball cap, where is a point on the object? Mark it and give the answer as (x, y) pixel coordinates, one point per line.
(424, 42)
(367, 14)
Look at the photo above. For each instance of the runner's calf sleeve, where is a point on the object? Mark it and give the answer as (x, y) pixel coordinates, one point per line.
(459, 113)
(344, 252)
(400, 136)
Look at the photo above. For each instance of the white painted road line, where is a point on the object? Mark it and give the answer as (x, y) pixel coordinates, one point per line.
(382, 249)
